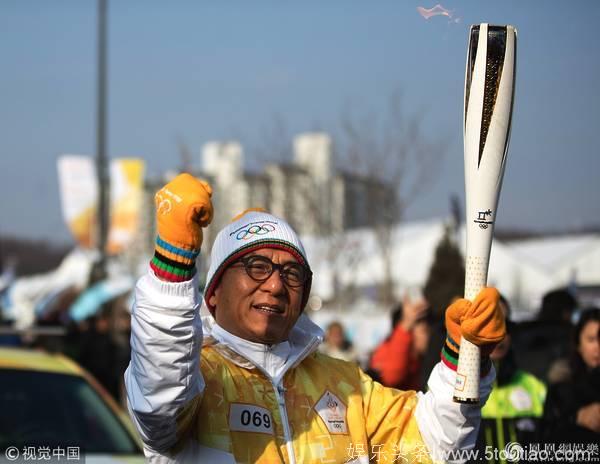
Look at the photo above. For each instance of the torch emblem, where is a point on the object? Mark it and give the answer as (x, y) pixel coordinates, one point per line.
(482, 219)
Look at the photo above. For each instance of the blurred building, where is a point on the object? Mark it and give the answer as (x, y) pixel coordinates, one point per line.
(313, 196)
(309, 192)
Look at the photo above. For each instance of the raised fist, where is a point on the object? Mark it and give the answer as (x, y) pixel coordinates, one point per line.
(183, 208)
(481, 321)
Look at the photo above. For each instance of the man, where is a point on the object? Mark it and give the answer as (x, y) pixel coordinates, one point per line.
(248, 385)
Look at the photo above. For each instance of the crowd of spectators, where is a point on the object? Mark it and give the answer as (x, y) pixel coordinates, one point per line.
(547, 388)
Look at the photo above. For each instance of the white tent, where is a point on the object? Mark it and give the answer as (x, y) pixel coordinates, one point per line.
(523, 271)
(567, 259)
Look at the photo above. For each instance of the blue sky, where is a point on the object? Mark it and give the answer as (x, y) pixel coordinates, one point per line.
(206, 70)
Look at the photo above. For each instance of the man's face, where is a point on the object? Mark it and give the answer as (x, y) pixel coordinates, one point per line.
(501, 349)
(262, 312)
(421, 334)
(335, 336)
(589, 344)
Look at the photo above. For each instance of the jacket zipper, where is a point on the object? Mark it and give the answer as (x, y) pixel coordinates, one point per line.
(280, 393)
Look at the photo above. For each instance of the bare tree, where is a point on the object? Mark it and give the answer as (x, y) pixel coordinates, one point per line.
(273, 143)
(185, 154)
(388, 154)
(390, 147)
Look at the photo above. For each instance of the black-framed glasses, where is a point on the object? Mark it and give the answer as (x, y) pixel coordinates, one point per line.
(260, 268)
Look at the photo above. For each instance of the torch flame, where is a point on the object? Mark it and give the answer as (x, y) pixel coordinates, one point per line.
(437, 10)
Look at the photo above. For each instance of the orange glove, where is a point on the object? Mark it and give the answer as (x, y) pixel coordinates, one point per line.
(183, 208)
(480, 322)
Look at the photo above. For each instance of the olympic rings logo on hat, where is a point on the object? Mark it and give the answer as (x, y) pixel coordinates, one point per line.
(254, 228)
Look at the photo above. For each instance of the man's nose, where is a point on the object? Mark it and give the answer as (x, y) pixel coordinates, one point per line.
(275, 282)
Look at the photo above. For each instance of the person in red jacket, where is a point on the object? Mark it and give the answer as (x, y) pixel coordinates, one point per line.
(396, 362)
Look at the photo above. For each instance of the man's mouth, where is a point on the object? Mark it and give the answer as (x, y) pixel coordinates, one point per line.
(269, 309)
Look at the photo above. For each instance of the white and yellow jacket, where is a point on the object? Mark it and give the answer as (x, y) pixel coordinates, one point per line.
(220, 399)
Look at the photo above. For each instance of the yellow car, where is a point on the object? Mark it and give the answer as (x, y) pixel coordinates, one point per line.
(51, 408)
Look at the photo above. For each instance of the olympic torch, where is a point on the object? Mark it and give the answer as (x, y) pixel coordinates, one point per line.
(489, 97)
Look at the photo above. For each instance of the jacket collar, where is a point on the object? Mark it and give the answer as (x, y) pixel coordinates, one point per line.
(273, 360)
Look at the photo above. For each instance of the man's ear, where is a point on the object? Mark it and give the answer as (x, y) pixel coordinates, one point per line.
(212, 301)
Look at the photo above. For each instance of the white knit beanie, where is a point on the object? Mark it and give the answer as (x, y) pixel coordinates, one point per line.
(248, 232)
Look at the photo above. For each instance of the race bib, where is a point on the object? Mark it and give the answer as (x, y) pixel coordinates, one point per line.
(250, 418)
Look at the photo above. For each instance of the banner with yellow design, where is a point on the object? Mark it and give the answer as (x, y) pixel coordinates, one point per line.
(79, 199)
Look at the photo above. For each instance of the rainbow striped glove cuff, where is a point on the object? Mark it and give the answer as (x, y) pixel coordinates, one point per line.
(183, 208)
(450, 354)
(173, 263)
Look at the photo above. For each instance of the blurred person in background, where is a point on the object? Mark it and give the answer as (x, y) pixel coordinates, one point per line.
(514, 410)
(104, 346)
(336, 344)
(121, 334)
(396, 362)
(97, 352)
(572, 409)
(247, 383)
(543, 344)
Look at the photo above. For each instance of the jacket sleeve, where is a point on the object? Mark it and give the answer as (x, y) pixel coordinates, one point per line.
(423, 427)
(163, 379)
(447, 426)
